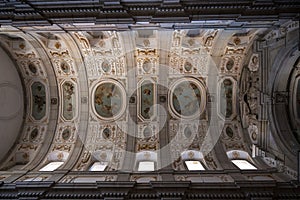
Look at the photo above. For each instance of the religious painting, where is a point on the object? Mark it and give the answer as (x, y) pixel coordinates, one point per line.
(226, 98)
(186, 99)
(69, 100)
(38, 108)
(147, 99)
(108, 100)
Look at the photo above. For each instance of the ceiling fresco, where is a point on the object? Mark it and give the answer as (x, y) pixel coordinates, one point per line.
(186, 98)
(108, 100)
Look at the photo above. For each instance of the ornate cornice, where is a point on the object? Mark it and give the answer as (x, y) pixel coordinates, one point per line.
(36, 13)
(151, 190)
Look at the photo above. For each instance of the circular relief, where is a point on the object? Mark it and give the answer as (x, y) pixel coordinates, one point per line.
(106, 133)
(187, 98)
(109, 100)
(34, 133)
(66, 134)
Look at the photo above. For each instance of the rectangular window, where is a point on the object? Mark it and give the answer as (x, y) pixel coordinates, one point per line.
(146, 166)
(243, 164)
(194, 165)
(98, 166)
(51, 166)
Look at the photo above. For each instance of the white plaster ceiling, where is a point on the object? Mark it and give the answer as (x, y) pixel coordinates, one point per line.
(11, 104)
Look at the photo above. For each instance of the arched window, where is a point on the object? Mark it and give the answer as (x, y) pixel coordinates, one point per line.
(51, 166)
(98, 166)
(146, 161)
(100, 160)
(55, 159)
(241, 159)
(193, 160)
(243, 164)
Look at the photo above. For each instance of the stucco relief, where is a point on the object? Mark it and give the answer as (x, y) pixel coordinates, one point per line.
(282, 31)
(249, 98)
(189, 53)
(108, 139)
(147, 138)
(231, 138)
(191, 135)
(103, 53)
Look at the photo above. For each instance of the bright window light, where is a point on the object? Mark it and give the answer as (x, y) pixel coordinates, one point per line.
(194, 165)
(51, 166)
(243, 164)
(146, 166)
(34, 179)
(98, 166)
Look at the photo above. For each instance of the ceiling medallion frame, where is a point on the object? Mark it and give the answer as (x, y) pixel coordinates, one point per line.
(203, 97)
(121, 90)
(44, 117)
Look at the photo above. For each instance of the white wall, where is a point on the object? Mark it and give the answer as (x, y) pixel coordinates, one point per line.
(11, 103)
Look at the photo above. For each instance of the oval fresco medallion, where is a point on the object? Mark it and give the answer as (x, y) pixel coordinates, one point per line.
(109, 100)
(187, 132)
(106, 133)
(38, 109)
(66, 134)
(34, 133)
(187, 98)
(106, 67)
(229, 64)
(65, 67)
(229, 132)
(147, 132)
(188, 66)
(32, 68)
(147, 65)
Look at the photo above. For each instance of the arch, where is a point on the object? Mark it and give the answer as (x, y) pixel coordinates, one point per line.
(278, 112)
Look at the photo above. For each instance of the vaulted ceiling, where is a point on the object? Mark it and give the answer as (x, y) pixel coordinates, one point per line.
(149, 93)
